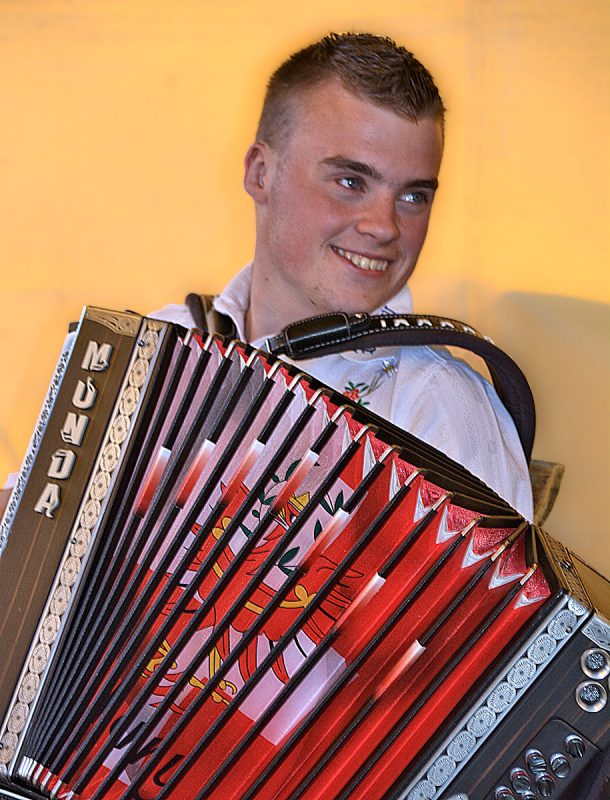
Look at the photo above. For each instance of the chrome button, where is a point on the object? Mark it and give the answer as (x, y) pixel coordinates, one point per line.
(535, 761)
(560, 765)
(575, 746)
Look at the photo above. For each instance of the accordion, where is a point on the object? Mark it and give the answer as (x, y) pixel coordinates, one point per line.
(220, 579)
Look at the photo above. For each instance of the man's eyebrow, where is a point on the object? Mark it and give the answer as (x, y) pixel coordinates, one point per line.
(422, 183)
(361, 168)
(354, 166)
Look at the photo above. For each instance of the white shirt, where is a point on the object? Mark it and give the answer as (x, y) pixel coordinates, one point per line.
(423, 390)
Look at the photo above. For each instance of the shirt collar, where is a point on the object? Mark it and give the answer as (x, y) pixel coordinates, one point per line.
(235, 299)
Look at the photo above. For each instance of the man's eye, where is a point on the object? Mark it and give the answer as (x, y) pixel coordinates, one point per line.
(351, 182)
(415, 198)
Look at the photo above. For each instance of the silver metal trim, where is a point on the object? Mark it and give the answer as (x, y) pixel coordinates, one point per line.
(598, 630)
(34, 445)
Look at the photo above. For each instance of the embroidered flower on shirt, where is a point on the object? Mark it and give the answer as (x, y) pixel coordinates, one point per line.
(357, 391)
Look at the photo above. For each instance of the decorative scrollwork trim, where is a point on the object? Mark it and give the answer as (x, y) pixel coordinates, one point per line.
(124, 322)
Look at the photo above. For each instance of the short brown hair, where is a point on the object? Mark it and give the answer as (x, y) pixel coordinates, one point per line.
(372, 67)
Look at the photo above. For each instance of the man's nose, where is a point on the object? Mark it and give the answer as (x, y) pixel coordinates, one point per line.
(378, 219)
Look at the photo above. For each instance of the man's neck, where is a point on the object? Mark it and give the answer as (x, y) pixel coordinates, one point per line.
(270, 311)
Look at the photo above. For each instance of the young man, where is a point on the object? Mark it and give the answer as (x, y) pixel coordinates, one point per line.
(343, 175)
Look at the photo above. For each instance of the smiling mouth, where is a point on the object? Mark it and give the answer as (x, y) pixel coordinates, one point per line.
(362, 262)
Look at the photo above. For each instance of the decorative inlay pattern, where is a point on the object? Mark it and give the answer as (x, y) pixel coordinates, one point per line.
(563, 558)
(598, 630)
(127, 324)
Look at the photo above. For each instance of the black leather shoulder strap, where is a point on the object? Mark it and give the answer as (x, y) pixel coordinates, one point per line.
(334, 333)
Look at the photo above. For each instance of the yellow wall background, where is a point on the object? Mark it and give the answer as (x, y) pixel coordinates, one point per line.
(122, 128)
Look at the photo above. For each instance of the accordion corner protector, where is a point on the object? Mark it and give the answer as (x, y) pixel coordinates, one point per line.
(122, 322)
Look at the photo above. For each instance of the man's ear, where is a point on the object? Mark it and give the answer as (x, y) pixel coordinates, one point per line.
(257, 163)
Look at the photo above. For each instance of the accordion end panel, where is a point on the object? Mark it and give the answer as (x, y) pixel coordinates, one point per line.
(273, 594)
(52, 519)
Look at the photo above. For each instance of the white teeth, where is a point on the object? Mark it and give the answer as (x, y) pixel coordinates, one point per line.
(363, 262)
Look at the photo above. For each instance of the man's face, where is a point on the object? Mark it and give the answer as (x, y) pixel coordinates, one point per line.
(343, 203)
